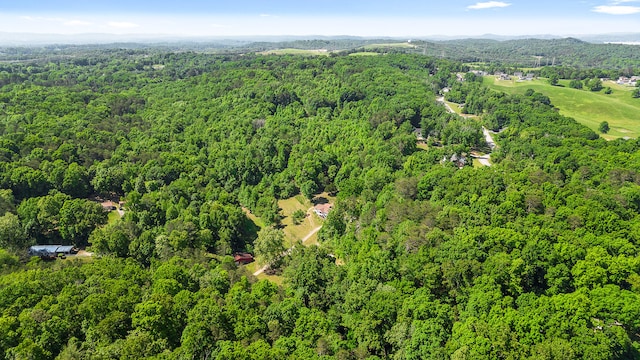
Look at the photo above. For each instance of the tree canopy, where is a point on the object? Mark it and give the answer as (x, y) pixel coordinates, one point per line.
(423, 255)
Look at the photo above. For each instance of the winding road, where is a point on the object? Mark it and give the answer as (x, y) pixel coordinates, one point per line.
(483, 159)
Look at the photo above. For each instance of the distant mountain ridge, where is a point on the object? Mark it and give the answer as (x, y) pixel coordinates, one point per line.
(527, 52)
(35, 39)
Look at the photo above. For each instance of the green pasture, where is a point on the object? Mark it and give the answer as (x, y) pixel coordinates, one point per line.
(314, 52)
(619, 109)
(364, 53)
(396, 45)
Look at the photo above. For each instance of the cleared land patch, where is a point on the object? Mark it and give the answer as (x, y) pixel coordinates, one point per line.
(619, 109)
(314, 52)
(365, 53)
(395, 45)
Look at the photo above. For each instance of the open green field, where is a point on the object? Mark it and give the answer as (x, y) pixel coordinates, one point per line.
(365, 53)
(292, 231)
(295, 52)
(619, 109)
(390, 45)
(113, 216)
(296, 232)
(311, 221)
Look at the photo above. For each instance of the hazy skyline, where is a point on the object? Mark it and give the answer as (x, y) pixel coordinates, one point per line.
(330, 17)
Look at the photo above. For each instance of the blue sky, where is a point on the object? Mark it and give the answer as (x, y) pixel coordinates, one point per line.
(328, 17)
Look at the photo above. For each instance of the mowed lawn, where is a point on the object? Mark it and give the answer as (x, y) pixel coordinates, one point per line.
(311, 221)
(619, 109)
(294, 232)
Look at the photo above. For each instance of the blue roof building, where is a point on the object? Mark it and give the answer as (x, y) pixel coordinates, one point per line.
(51, 250)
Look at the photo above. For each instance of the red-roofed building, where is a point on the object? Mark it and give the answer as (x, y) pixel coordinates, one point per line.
(243, 258)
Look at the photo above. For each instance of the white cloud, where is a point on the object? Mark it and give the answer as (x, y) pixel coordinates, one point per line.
(122, 24)
(248, 25)
(617, 9)
(41, 18)
(77, 23)
(488, 5)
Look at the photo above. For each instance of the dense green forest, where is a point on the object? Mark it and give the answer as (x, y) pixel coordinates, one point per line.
(493, 54)
(539, 52)
(422, 257)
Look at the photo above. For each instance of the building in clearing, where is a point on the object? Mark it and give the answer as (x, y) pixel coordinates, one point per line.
(242, 258)
(419, 137)
(109, 205)
(502, 76)
(322, 210)
(51, 251)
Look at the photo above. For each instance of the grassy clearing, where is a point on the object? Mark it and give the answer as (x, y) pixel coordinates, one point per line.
(256, 220)
(365, 53)
(113, 216)
(277, 279)
(619, 109)
(476, 65)
(390, 45)
(76, 259)
(310, 222)
(455, 107)
(252, 267)
(423, 146)
(529, 69)
(292, 231)
(314, 52)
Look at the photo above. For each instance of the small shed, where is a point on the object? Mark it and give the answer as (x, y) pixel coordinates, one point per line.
(243, 258)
